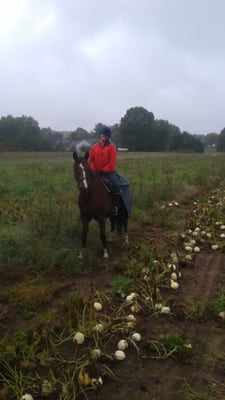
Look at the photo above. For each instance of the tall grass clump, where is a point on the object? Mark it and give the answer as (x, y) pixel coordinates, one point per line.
(38, 212)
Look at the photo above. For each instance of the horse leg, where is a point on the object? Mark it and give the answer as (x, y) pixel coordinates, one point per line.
(126, 238)
(112, 228)
(85, 224)
(102, 224)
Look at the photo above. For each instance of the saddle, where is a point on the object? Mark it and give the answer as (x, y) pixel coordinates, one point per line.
(124, 195)
(115, 196)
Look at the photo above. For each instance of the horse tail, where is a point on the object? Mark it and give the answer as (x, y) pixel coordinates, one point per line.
(121, 220)
(119, 224)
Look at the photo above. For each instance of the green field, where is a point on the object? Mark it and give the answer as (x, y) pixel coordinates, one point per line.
(39, 218)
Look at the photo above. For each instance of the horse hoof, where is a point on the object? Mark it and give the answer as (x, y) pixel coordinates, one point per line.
(80, 257)
(126, 240)
(105, 254)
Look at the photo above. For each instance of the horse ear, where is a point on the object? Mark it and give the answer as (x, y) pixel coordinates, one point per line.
(86, 155)
(75, 156)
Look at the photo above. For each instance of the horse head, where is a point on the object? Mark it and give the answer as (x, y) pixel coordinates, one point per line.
(81, 171)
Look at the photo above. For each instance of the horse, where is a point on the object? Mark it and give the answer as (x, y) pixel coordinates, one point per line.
(95, 202)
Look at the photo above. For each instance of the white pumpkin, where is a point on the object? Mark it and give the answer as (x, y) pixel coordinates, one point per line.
(97, 306)
(173, 284)
(173, 276)
(188, 248)
(165, 310)
(79, 338)
(98, 328)
(131, 318)
(96, 353)
(136, 337)
(119, 355)
(158, 306)
(27, 396)
(196, 249)
(122, 344)
(222, 314)
(131, 296)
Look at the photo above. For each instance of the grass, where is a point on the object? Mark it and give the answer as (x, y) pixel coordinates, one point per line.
(39, 218)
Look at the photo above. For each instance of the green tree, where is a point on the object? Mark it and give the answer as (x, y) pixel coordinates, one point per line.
(160, 134)
(176, 141)
(79, 133)
(211, 139)
(197, 144)
(116, 134)
(97, 128)
(220, 145)
(22, 133)
(8, 130)
(56, 139)
(136, 129)
(187, 143)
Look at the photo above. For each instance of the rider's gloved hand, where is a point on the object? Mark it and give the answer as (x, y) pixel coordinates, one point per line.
(100, 173)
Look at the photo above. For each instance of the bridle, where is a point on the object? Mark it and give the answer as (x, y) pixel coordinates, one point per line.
(81, 176)
(86, 178)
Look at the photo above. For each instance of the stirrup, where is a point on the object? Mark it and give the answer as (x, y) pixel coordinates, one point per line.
(115, 210)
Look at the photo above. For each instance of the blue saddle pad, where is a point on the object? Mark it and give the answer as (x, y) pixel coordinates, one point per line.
(125, 192)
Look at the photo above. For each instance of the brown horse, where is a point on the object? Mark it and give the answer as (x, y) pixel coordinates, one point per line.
(95, 202)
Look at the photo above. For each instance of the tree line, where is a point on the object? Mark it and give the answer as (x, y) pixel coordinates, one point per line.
(138, 130)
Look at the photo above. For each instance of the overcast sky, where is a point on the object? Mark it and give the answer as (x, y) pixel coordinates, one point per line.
(75, 63)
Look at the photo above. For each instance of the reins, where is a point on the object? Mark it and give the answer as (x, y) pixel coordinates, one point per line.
(105, 185)
(86, 171)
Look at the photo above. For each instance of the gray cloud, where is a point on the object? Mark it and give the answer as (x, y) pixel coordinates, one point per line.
(79, 62)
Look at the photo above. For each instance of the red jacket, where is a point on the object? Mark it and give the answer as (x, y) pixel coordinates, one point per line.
(102, 158)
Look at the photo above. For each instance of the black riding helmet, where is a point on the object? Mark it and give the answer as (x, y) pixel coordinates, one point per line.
(105, 131)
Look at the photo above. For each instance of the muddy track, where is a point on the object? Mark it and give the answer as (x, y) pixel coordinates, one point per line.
(202, 280)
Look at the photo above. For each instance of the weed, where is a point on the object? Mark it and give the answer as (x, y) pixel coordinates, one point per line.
(217, 304)
(175, 342)
(27, 314)
(17, 382)
(121, 285)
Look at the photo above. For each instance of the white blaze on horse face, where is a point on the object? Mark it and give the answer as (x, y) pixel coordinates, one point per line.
(84, 176)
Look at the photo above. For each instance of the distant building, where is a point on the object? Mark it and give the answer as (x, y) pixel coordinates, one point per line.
(122, 148)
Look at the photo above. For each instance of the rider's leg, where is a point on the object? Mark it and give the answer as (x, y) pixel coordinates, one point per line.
(116, 192)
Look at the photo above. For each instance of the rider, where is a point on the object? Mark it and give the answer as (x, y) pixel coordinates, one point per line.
(102, 160)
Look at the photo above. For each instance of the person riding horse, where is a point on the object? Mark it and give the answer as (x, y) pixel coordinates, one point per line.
(102, 160)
